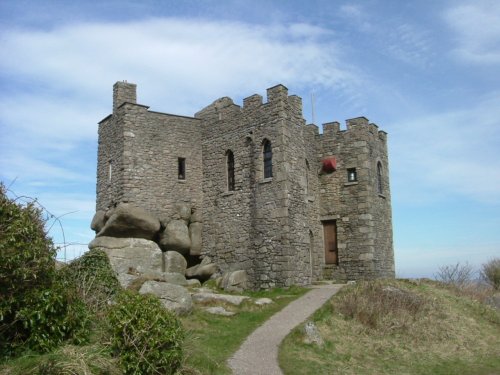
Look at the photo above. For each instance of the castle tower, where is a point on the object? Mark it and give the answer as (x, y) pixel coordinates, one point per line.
(356, 202)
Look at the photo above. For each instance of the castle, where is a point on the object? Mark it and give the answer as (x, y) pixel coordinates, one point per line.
(277, 198)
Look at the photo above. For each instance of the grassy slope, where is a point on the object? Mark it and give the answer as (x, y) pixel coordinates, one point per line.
(212, 339)
(437, 332)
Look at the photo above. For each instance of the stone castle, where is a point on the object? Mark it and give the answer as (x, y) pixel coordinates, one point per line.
(271, 195)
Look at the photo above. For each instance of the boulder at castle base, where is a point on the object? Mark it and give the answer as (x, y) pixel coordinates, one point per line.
(130, 257)
(173, 297)
(195, 230)
(201, 272)
(129, 221)
(184, 211)
(236, 281)
(98, 221)
(175, 237)
(175, 262)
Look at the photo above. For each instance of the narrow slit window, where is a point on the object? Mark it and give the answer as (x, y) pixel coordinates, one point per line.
(352, 175)
(181, 168)
(230, 170)
(380, 187)
(110, 170)
(268, 159)
(307, 177)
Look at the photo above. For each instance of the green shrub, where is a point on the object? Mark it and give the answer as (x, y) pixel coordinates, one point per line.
(144, 335)
(27, 255)
(52, 316)
(37, 311)
(94, 279)
(490, 273)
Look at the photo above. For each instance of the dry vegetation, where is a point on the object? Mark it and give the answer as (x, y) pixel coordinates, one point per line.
(398, 327)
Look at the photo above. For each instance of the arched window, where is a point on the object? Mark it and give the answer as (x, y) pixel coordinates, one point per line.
(379, 178)
(268, 159)
(230, 170)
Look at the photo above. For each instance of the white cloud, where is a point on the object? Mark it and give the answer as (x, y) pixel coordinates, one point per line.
(357, 15)
(449, 153)
(174, 57)
(409, 44)
(477, 28)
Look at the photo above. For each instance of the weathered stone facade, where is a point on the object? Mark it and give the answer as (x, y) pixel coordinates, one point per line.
(306, 222)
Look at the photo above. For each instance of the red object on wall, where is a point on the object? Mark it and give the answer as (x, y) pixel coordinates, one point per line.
(329, 165)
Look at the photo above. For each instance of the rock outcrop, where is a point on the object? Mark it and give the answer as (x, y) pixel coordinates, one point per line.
(236, 281)
(127, 220)
(175, 237)
(174, 297)
(203, 271)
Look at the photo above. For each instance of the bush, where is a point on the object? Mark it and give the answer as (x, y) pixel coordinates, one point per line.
(490, 273)
(144, 335)
(27, 255)
(379, 306)
(94, 279)
(458, 275)
(36, 310)
(50, 317)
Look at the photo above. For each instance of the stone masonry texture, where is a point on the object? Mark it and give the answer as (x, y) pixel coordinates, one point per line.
(270, 227)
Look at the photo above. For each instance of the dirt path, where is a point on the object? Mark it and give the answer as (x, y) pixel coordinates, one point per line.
(258, 355)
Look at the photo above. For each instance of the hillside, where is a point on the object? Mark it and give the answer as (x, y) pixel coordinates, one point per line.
(398, 327)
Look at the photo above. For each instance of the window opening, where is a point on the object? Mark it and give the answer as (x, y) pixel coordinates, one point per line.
(181, 168)
(352, 175)
(268, 159)
(230, 170)
(379, 178)
(307, 177)
(110, 170)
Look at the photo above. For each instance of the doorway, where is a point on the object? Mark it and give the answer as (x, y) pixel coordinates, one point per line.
(330, 235)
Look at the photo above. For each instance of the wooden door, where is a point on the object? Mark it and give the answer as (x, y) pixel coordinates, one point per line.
(330, 234)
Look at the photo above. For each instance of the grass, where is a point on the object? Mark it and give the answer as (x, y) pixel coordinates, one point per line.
(398, 327)
(68, 359)
(212, 339)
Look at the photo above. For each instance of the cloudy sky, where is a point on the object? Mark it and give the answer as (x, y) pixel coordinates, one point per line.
(425, 71)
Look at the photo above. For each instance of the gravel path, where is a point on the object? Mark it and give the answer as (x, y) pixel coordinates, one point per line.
(258, 355)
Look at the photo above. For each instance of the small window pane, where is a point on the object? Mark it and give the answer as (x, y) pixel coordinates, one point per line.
(352, 176)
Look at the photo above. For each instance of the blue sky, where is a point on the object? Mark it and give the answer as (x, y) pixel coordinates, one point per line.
(427, 72)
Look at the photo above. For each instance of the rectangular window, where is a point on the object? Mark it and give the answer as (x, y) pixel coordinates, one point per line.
(352, 176)
(181, 168)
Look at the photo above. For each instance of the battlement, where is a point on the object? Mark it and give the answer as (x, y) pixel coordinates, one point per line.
(124, 92)
(355, 125)
(277, 93)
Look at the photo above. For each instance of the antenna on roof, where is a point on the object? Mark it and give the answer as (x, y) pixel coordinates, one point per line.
(312, 108)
